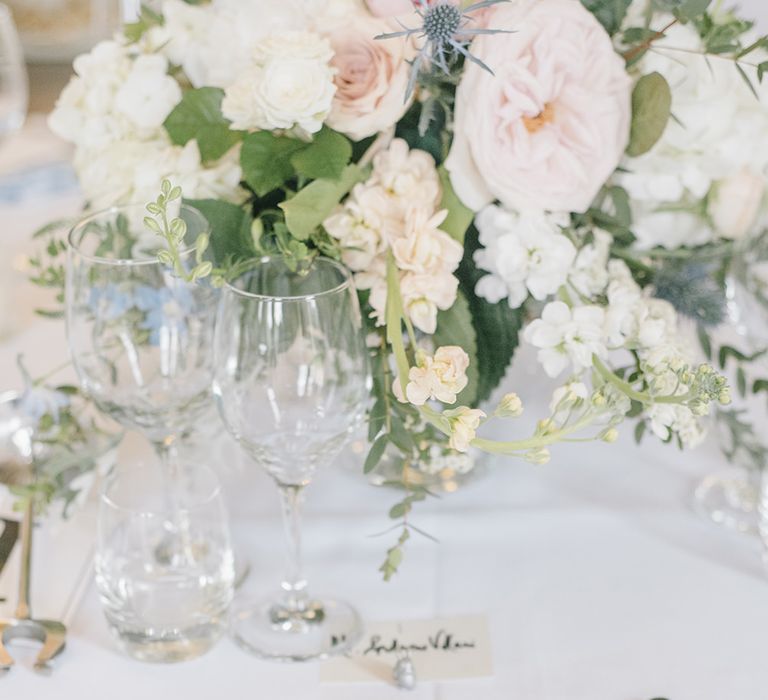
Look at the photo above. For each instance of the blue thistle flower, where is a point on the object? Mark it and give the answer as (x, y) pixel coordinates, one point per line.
(447, 34)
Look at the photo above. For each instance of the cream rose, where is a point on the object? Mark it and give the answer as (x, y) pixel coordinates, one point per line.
(371, 78)
(551, 125)
(735, 203)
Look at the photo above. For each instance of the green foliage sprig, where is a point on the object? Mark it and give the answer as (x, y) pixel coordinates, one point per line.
(174, 231)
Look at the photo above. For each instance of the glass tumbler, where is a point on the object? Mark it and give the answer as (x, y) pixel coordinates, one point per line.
(164, 606)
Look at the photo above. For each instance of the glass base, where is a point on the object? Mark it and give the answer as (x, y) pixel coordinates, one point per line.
(729, 498)
(321, 629)
(170, 647)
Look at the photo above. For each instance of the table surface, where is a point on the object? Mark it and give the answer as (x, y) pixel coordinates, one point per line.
(598, 579)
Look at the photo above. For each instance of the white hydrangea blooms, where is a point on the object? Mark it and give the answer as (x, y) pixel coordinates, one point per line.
(684, 172)
(525, 252)
(397, 209)
(113, 111)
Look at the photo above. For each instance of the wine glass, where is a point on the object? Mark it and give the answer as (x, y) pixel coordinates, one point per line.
(141, 338)
(292, 384)
(14, 87)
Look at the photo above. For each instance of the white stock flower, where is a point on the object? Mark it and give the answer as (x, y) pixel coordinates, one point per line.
(589, 273)
(633, 319)
(440, 377)
(668, 419)
(567, 337)
(290, 85)
(567, 396)
(464, 423)
(524, 252)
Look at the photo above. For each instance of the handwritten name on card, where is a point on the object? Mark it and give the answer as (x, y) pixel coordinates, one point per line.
(441, 649)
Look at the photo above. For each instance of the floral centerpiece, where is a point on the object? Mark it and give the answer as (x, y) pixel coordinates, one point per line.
(492, 172)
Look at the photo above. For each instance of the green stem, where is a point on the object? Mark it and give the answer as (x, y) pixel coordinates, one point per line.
(641, 396)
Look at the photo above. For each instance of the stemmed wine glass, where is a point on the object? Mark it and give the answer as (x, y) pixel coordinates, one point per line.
(141, 338)
(292, 383)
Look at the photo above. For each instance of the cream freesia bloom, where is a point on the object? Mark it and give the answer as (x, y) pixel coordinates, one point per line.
(439, 377)
(464, 422)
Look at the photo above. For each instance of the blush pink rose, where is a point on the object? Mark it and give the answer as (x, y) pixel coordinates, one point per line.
(389, 8)
(548, 129)
(371, 79)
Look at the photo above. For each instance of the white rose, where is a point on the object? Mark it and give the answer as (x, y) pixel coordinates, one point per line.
(735, 203)
(290, 85)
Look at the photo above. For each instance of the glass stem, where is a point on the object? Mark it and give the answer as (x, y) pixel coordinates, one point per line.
(294, 584)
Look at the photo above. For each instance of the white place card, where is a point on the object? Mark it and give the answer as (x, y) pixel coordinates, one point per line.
(441, 649)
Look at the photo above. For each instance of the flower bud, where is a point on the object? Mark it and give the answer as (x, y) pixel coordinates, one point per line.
(540, 455)
(510, 406)
(609, 435)
(545, 426)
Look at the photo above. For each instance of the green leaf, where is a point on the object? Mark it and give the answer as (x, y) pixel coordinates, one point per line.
(459, 217)
(762, 69)
(309, 207)
(610, 13)
(266, 160)
(325, 157)
(398, 510)
(704, 341)
(746, 79)
(490, 321)
(651, 107)
(454, 327)
(198, 116)
(691, 9)
(760, 385)
(620, 199)
(230, 236)
(375, 453)
(741, 382)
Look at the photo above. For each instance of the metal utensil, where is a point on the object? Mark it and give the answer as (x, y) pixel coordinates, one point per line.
(50, 633)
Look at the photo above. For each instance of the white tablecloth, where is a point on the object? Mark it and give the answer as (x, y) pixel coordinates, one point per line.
(599, 581)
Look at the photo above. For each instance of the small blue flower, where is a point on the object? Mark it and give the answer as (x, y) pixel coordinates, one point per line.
(164, 309)
(109, 302)
(38, 401)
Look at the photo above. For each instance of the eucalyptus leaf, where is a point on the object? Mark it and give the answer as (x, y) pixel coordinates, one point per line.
(375, 453)
(610, 13)
(230, 229)
(266, 160)
(651, 107)
(198, 116)
(309, 207)
(325, 157)
(459, 216)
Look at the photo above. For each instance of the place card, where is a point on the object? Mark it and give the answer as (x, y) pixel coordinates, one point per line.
(441, 649)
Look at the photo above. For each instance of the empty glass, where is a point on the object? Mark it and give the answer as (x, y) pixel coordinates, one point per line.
(14, 91)
(292, 384)
(164, 606)
(141, 338)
